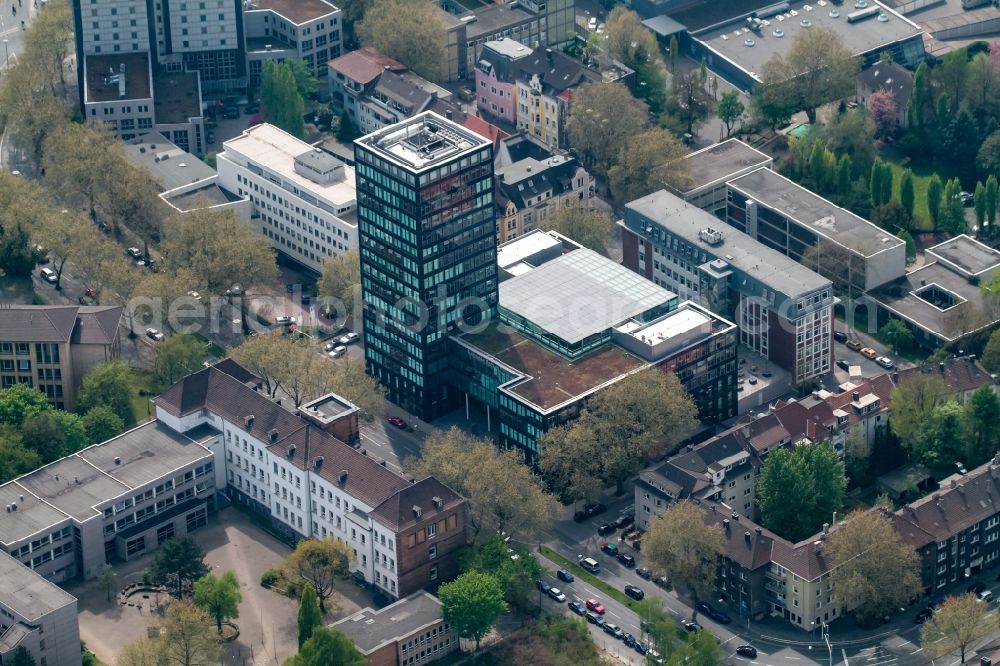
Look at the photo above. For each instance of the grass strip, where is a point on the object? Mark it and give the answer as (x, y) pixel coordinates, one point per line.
(583, 574)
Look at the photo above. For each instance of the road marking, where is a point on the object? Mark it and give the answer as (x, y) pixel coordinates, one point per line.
(614, 614)
(916, 651)
(729, 639)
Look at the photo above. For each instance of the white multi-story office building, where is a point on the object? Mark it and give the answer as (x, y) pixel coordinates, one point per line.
(303, 199)
(308, 30)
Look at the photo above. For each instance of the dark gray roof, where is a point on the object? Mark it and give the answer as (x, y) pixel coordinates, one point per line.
(397, 511)
(495, 18)
(501, 56)
(27, 593)
(97, 324)
(530, 177)
(37, 323)
(889, 76)
(664, 26)
(370, 629)
(556, 71)
(406, 91)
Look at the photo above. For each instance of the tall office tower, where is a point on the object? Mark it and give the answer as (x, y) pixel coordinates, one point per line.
(427, 238)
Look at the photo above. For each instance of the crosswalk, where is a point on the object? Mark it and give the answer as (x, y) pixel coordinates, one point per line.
(874, 656)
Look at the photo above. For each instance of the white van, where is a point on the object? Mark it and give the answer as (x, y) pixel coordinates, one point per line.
(590, 564)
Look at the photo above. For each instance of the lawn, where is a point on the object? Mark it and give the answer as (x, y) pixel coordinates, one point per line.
(144, 382)
(920, 213)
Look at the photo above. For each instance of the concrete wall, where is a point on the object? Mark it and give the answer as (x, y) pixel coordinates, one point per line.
(885, 266)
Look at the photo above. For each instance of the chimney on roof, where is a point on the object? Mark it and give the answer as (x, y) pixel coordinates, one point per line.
(273, 436)
(417, 511)
(248, 421)
(941, 366)
(736, 516)
(318, 462)
(725, 524)
(118, 461)
(438, 502)
(758, 530)
(826, 528)
(746, 537)
(342, 477)
(856, 395)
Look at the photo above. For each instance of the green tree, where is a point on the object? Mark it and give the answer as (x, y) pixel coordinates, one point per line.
(799, 489)
(988, 156)
(896, 334)
(101, 424)
(991, 205)
(186, 636)
(690, 100)
(18, 257)
(411, 31)
(991, 355)
(328, 646)
(701, 649)
(627, 40)
(340, 284)
(979, 201)
(817, 69)
(684, 547)
(179, 562)
(178, 356)
(20, 402)
(934, 192)
(589, 227)
(982, 414)
(844, 174)
(219, 596)
(515, 568)
(913, 400)
(108, 580)
(648, 161)
(602, 119)
(310, 616)
(305, 79)
(730, 109)
(674, 51)
(962, 622)
(951, 218)
(15, 458)
(570, 459)
(42, 435)
(143, 652)
(111, 385)
(503, 493)
(472, 603)
(911, 245)
(906, 192)
(280, 100)
(21, 657)
(891, 216)
(318, 562)
(873, 571)
(943, 442)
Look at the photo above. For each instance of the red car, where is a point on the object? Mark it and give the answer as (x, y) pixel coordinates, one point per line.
(595, 605)
(398, 422)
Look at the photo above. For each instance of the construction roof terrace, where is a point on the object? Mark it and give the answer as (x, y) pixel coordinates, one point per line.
(774, 191)
(422, 142)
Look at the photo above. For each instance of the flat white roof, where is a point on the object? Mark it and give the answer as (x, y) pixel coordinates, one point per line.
(673, 325)
(515, 251)
(276, 150)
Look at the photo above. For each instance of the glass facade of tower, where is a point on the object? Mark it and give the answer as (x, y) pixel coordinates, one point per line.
(427, 241)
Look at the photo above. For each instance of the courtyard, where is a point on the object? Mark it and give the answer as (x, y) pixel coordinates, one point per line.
(267, 620)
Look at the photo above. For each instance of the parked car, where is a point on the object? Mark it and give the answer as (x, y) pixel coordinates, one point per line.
(543, 586)
(986, 596)
(155, 335)
(869, 353)
(564, 575)
(605, 529)
(924, 615)
(328, 347)
(614, 630)
(641, 648)
(348, 338)
(624, 520)
(338, 351)
(661, 581)
(592, 23)
(626, 559)
(628, 640)
(556, 594)
(853, 344)
(577, 607)
(642, 572)
(704, 607)
(634, 592)
(976, 588)
(284, 320)
(134, 252)
(49, 275)
(595, 605)
(610, 548)
(594, 618)
(966, 197)
(722, 617)
(690, 626)
(747, 651)
(590, 564)
(195, 295)
(843, 365)
(396, 421)
(231, 112)
(840, 336)
(589, 511)
(885, 362)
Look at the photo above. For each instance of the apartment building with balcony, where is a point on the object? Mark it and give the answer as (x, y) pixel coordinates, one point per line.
(300, 470)
(35, 614)
(784, 310)
(278, 30)
(376, 91)
(302, 198)
(52, 347)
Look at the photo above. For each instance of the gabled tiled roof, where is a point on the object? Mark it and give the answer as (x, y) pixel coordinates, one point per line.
(959, 374)
(556, 71)
(744, 542)
(220, 391)
(37, 323)
(365, 65)
(97, 324)
(397, 511)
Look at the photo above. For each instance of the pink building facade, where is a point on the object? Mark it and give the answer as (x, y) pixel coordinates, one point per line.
(495, 80)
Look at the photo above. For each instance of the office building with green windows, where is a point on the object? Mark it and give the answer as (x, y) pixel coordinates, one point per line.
(427, 242)
(571, 322)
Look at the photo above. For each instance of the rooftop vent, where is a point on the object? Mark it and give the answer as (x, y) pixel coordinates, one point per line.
(805, 23)
(725, 524)
(834, 13)
(883, 17)
(711, 236)
(417, 511)
(13, 506)
(342, 477)
(746, 536)
(118, 461)
(758, 530)
(778, 32)
(749, 42)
